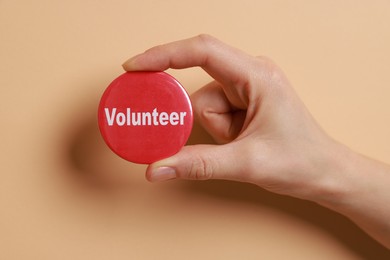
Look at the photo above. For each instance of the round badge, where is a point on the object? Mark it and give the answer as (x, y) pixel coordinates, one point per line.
(145, 116)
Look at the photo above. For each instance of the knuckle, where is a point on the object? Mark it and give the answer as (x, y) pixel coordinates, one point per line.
(266, 64)
(270, 72)
(206, 44)
(206, 38)
(200, 169)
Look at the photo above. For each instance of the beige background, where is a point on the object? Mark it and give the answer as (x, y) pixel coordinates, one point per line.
(64, 195)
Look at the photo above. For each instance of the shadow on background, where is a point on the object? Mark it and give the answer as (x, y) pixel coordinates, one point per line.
(90, 162)
(338, 226)
(99, 169)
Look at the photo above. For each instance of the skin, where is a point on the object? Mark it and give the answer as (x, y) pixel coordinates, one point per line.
(266, 136)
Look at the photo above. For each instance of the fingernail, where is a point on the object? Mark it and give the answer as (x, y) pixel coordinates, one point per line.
(130, 64)
(162, 174)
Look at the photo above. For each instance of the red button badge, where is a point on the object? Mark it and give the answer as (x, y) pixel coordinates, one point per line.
(145, 116)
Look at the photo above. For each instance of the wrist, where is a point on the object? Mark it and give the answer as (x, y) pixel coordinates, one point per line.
(323, 173)
(338, 181)
(352, 182)
(359, 190)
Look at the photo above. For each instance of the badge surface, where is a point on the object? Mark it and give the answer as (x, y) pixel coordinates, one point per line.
(145, 116)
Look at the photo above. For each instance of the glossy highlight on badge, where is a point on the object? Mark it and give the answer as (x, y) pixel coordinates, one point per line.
(145, 116)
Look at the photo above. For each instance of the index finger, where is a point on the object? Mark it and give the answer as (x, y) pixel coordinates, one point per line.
(229, 66)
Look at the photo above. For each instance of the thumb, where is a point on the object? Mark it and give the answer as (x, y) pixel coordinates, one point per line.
(198, 162)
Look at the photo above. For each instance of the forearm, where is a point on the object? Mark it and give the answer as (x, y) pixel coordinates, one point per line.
(360, 190)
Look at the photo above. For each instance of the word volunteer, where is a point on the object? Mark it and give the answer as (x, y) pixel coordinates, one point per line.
(154, 118)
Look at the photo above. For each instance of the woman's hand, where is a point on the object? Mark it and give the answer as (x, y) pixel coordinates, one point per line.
(266, 136)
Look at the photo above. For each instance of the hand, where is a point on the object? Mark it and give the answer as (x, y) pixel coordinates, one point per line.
(266, 134)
